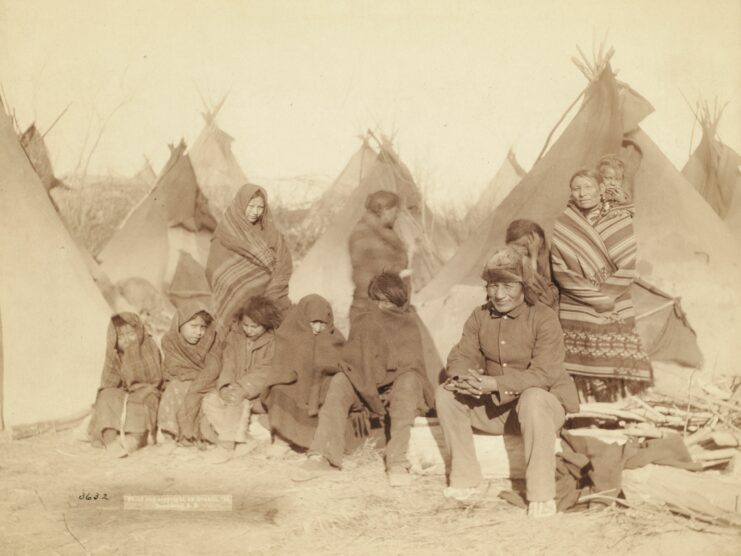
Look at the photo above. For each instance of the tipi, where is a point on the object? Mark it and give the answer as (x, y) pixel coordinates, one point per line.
(713, 169)
(38, 155)
(146, 174)
(174, 216)
(54, 319)
(334, 199)
(216, 168)
(683, 248)
(507, 177)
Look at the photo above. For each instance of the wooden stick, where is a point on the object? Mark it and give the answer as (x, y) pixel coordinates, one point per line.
(648, 408)
(591, 415)
(55, 121)
(607, 409)
(707, 455)
(558, 123)
(726, 439)
(708, 399)
(697, 436)
(714, 463)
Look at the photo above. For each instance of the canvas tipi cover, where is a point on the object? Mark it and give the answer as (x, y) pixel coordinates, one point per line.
(174, 216)
(334, 199)
(713, 169)
(146, 175)
(216, 168)
(683, 248)
(507, 177)
(54, 319)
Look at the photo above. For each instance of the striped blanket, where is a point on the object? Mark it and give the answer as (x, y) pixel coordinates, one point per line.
(247, 260)
(594, 266)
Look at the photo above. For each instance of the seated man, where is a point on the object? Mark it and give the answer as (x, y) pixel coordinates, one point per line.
(506, 374)
(383, 367)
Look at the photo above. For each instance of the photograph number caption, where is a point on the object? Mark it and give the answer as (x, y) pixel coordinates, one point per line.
(92, 497)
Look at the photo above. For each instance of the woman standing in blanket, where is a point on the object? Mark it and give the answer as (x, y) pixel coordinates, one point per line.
(593, 258)
(125, 410)
(248, 256)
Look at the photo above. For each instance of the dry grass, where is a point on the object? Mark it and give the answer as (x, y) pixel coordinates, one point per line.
(93, 212)
(347, 512)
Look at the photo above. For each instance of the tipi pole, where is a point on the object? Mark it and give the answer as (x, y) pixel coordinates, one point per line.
(55, 121)
(558, 123)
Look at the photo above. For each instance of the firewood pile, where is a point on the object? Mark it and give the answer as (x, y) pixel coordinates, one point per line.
(709, 420)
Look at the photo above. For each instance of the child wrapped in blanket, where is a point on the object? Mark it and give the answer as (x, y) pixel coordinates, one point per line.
(125, 410)
(192, 349)
(246, 362)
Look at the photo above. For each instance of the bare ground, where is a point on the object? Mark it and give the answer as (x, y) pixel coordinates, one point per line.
(348, 512)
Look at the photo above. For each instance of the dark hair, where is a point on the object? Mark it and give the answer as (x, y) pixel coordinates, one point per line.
(119, 324)
(523, 227)
(611, 161)
(591, 174)
(630, 143)
(389, 285)
(261, 310)
(380, 200)
(207, 318)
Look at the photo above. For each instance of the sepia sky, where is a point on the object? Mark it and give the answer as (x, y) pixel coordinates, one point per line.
(458, 82)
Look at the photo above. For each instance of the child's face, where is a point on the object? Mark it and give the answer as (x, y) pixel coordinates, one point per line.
(126, 336)
(250, 328)
(193, 330)
(317, 326)
(611, 177)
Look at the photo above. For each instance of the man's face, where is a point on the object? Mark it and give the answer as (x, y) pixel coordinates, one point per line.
(506, 296)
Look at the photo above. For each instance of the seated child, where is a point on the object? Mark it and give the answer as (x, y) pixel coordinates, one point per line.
(307, 352)
(246, 360)
(125, 411)
(383, 369)
(191, 349)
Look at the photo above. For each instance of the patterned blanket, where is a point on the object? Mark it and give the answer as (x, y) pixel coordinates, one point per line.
(594, 266)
